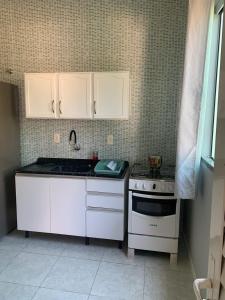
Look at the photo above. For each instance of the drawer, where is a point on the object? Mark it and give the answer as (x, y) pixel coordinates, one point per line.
(105, 201)
(105, 224)
(158, 226)
(105, 186)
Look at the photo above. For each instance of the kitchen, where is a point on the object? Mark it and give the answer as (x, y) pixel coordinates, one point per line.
(142, 45)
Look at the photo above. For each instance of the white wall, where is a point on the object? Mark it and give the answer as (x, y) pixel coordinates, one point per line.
(197, 217)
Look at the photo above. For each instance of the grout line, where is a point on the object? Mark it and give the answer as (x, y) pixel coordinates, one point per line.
(40, 285)
(101, 260)
(94, 279)
(57, 259)
(17, 283)
(57, 290)
(10, 262)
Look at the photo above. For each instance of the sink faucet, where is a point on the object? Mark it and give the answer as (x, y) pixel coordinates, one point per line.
(72, 142)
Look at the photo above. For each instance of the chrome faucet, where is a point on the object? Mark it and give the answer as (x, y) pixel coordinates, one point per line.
(73, 143)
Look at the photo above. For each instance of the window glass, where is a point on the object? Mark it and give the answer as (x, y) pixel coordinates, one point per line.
(211, 85)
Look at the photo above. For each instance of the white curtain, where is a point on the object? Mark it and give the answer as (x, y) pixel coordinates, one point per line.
(189, 111)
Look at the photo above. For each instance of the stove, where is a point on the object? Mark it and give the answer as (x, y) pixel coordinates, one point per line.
(144, 179)
(154, 210)
(144, 172)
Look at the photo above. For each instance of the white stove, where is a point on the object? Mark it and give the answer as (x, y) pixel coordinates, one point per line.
(154, 211)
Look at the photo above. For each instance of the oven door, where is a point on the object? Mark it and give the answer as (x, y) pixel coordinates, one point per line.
(153, 215)
(152, 205)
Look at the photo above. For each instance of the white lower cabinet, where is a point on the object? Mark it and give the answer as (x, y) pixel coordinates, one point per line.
(68, 206)
(33, 203)
(71, 206)
(105, 201)
(53, 205)
(105, 224)
(105, 209)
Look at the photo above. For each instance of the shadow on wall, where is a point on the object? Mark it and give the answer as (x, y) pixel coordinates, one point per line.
(197, 218)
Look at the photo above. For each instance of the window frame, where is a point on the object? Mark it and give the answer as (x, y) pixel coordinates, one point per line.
(213, 143)
(208, 119)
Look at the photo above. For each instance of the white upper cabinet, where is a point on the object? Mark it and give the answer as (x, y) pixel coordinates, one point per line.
(75, 99)
(40, 95)
(111, 95)
(102, 95)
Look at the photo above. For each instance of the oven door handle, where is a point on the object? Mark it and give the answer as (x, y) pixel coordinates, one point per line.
(154, 197)
(144, 216)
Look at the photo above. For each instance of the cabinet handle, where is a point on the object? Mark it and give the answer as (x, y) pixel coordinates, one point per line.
(95, 107)
(60, 110)
(53, 110)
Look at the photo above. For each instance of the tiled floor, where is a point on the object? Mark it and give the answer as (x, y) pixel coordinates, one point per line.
(49, 267)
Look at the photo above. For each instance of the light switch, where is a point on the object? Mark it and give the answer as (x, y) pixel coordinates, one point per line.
(56, 138)
(110, 139)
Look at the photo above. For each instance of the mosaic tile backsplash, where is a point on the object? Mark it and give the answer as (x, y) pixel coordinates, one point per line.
(145, 37)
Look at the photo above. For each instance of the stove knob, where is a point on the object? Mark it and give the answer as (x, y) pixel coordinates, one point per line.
(154, 186)
(143, 186)
(136, 185)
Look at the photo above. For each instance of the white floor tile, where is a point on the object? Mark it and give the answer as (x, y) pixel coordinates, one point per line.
(161, 261)
(103, 298)
(71, 274)
(47, 294)
(69, 271)
(6, 257)
(28, 268)
(120, 256)
(79, 250)
(14, 241)
(167, 284)
(119, 280)
(44, 245)
(11, 291)
(169, 294)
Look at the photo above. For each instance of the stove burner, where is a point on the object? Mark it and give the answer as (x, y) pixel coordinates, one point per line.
(140, 171)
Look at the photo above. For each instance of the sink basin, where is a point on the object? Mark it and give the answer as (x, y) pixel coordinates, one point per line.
(61, 165)
(72, 168)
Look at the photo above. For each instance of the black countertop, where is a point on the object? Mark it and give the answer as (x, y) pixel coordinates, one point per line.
(64, 166)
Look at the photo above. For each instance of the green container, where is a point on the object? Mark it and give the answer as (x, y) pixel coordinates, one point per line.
(103, 168)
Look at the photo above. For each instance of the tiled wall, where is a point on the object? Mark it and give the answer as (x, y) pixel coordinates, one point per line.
(145, 37)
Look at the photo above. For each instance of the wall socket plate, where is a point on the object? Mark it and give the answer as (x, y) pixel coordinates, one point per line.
(56, 138)
(109, 139)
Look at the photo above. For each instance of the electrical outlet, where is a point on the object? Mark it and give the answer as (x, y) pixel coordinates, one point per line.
(56, 138)
(110, 139)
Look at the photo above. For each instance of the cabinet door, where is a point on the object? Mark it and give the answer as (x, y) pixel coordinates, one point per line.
(111, 95)
(75, 100)
(68, 206)
(40, 95)
(33, 203)
(105, 224)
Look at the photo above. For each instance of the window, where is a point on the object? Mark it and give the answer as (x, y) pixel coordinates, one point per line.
(219, 45)
(211, 83)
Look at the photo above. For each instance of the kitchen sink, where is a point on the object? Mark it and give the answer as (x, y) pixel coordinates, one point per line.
(61, 166)
(83, 168)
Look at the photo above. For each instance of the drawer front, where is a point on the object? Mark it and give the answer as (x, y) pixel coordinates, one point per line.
(158, 226)
(105, 186)
(105, 201)
(105, 225)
